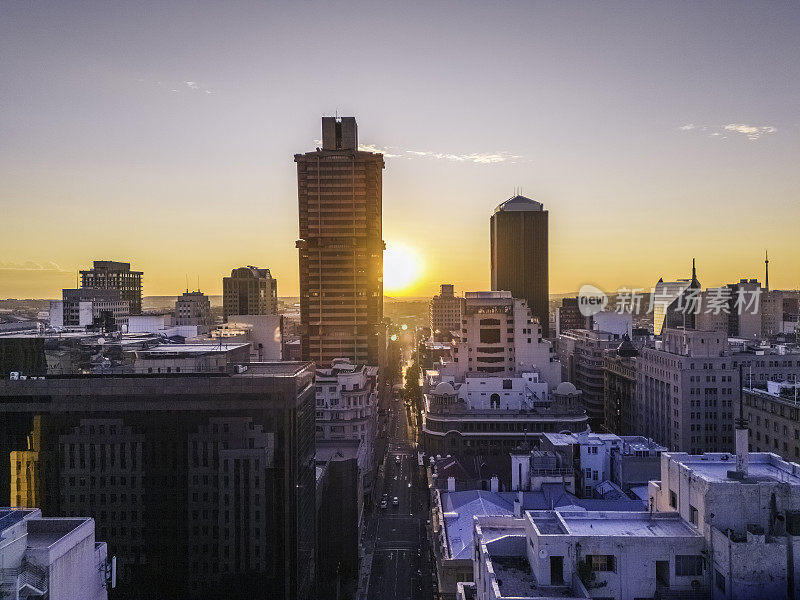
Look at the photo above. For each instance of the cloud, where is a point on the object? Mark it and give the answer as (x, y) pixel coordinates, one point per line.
(480, 158)
(30, 265)
(192, 85)
(752, 132)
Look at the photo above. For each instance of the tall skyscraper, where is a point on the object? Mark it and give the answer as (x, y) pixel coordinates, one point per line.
(249, 291)
(519, 248)
(339, 191)
(113, 275)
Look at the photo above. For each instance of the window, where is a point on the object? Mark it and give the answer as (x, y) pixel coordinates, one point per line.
(693, 515)
(601, 562)
(673, 499)
(719, 580)
(688, 565)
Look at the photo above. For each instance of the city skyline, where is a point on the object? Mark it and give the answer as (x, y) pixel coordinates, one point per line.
(163, 150)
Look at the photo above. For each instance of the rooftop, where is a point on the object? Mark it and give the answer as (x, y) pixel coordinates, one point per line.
(172, 349)
(519, 203)
(460, 508)
(611, 523)
(714, 467)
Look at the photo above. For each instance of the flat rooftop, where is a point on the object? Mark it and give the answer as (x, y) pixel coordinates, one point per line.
(762, 466)
(460, 508)
(627, 524)
(169, 349)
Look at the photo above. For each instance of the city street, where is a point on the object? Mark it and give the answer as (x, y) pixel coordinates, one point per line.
(401, 568)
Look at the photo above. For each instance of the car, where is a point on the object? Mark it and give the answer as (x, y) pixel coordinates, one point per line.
(397, 460)
(384, 503)
(395, 501)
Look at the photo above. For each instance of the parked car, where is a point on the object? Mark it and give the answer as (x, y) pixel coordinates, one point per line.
(395, 501)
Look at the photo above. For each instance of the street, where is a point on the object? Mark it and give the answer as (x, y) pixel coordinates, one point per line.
(401, 568)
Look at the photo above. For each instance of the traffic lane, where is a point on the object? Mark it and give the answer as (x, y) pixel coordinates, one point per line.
(395, 573)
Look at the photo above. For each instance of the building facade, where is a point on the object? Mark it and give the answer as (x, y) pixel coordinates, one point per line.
(519, 255)
(193, 308)
(619, 388)
(498, 336)
(568, 316)
(687, 387)
(51, 557)
(773, 418)
(339, 191)
(249, 291)
(581, 355)
(445, 312)
(109, 274)
(199, 482)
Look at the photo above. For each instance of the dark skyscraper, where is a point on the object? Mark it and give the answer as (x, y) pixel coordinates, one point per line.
(519, 250)
(339, 191)
(201, 483)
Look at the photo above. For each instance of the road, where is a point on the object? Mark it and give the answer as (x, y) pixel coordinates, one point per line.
(401, 568)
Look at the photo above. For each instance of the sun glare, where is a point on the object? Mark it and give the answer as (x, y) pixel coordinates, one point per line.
(401, 268)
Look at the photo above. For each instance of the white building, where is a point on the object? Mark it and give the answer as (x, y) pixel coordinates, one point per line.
(720, 526)
(498, 337)
(264, 333)
(55, 558)
(347, 408)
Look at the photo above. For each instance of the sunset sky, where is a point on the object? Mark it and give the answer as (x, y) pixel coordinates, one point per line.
(163, 134)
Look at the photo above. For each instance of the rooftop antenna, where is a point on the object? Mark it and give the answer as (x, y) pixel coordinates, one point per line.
(187, 283)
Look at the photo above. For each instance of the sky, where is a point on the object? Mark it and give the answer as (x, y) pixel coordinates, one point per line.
(163, 134)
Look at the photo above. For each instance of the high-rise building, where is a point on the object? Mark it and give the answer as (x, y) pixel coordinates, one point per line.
(109, 274)
(339, 190)
(444, 312)
(568, 316)
(519, 254)
(193, 308)
(580, 352)
(676, 303)
(84, 307)
(200, 482)
(498, 337)
(249, 291)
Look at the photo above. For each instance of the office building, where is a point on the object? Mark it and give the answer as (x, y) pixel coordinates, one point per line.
(619, 387)
(773, 418)
(200, 483)
(113, 275)
(676, 303)
(445, 313)
(193, 308)
(687, 386)
(87, 307)
(339, 190)
(519, 255)
(499, 337)
(568, 316)
(581, 355)
(249, 291)
(55, 557)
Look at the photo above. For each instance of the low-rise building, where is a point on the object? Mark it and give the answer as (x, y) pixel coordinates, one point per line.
(720, 526)
(193, 308)
(55, 557)
(189, 358)
(494, 415)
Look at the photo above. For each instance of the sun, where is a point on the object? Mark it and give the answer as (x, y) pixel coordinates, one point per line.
(402, 267)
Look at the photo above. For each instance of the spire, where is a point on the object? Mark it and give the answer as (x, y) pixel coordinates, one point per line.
(766, 266)
(694, 271)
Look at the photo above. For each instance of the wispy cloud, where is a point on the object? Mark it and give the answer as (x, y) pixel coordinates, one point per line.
(480, 158)
(30, 265)
(752, 132)
(192, 87)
